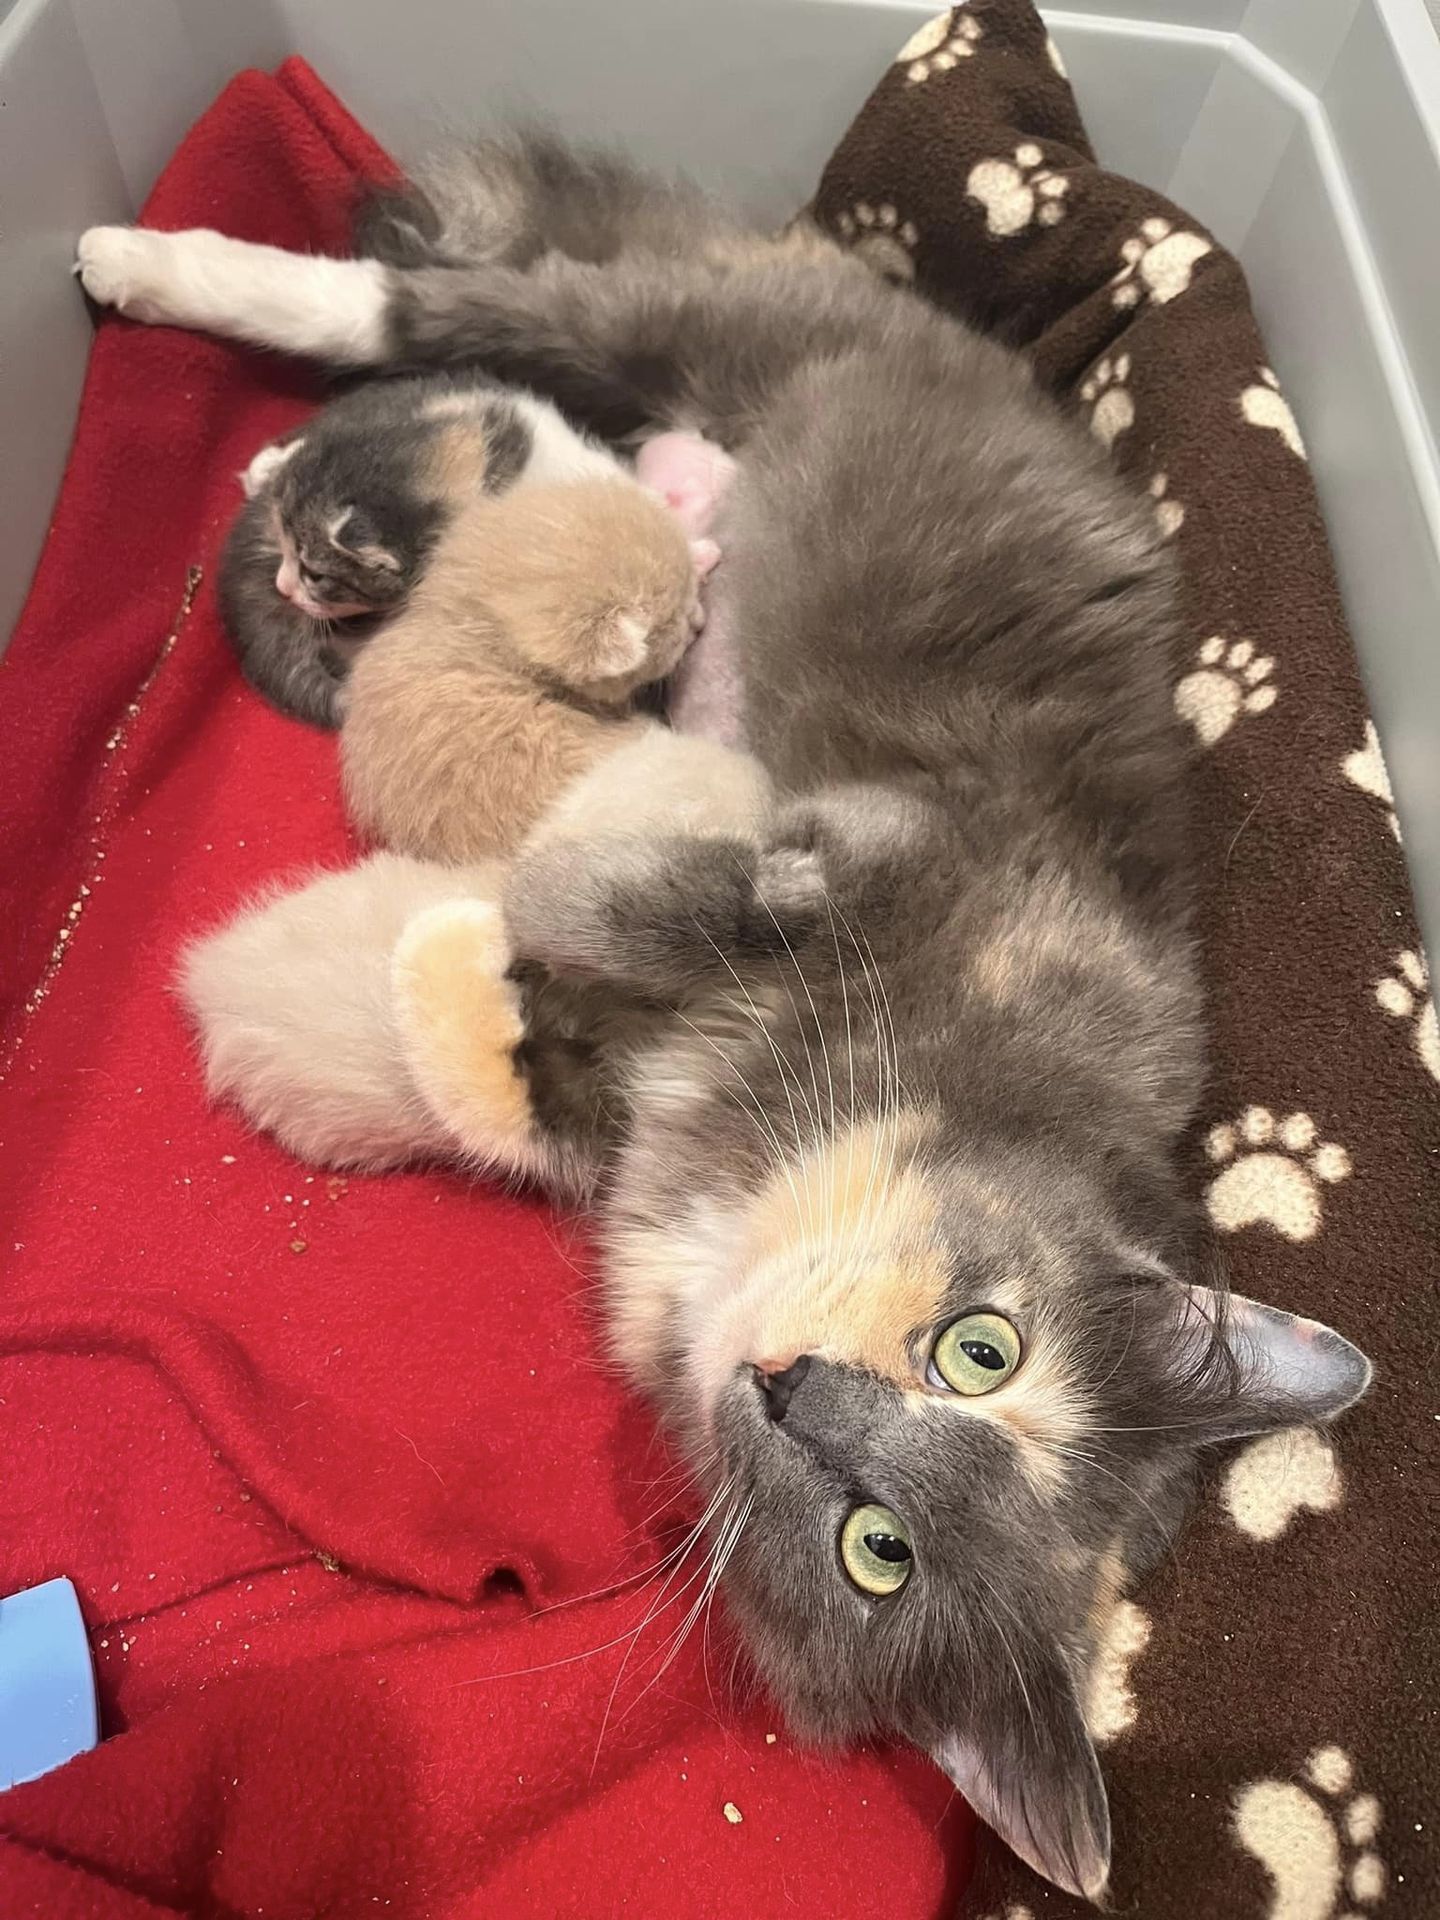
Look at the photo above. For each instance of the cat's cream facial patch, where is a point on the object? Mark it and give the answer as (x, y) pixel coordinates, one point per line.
(842, 1256)
(845, 1257)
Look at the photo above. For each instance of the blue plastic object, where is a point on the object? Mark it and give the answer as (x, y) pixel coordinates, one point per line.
(47, 1684)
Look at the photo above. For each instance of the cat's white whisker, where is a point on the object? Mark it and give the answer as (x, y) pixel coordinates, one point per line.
(660, 1604)
(724, 1548)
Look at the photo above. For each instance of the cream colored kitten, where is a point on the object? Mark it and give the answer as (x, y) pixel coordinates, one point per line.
(511, 670)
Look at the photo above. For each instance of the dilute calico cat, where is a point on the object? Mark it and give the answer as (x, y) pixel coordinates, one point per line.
(930, 1308)
(512, 668)
(342, 514)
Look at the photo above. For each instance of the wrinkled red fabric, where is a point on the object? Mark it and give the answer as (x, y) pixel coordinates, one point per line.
(336, 1466)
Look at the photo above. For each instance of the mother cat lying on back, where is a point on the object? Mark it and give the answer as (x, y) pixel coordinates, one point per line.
(929, 1289)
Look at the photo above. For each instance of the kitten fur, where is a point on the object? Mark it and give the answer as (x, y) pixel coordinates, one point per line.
(342, 515)
(297, 1001)
(511, 670)
(949, 1022)
(295, 1009)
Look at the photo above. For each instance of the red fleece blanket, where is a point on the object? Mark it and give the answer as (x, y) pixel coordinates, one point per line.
(335, 1465)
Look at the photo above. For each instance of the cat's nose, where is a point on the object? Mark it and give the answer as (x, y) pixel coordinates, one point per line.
(778, 1380)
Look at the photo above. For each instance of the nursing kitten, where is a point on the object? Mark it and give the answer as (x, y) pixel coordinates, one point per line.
(342, 514)
(928, 1309)
(511, 670)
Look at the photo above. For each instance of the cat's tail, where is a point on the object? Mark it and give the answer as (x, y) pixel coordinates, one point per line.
(507, 200)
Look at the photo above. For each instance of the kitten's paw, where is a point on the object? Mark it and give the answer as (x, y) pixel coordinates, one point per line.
(126, 268)
(459, 1019)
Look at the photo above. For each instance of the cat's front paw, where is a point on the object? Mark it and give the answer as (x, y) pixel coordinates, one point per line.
(790, 883)
(126, 268)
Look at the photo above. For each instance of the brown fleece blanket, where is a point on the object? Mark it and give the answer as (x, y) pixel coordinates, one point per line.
(1269, 1713)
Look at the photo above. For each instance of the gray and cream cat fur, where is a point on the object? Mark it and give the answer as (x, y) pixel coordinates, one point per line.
(896, 1236)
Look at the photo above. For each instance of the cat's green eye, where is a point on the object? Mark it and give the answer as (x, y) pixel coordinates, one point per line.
(976, 1353)
(875, 1550)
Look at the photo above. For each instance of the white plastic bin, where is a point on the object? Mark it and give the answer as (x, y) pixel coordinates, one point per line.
(1306, 133)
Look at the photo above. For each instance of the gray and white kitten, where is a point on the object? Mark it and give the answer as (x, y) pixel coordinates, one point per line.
(341, 516)
(895, 1233)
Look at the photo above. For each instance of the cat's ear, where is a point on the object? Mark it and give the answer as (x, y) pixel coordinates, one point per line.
(354, 533)
(1271, 1369)
(619, 646)
(1035, 1780)
(267, 463)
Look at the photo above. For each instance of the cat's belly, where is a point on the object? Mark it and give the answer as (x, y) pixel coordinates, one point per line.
(706, 692)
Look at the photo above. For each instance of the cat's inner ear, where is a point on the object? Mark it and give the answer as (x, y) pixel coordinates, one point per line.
(1272, 1369)
(1035, 1781)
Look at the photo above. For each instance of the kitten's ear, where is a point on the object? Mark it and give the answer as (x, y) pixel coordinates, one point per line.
(1037, 1784)
(267, 463)
(1274, 1369)
(356, 534)
(618, 646)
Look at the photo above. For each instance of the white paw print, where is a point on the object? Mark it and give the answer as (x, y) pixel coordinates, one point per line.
(1112, 409)
(1169, 514)
(1275, 1478)
(1109, 1701)
(1366, 769)
(1015, 192)
(879, 237)
(1406, 994)
(1321, 1859)
(1158, 260)
(1231, 679)
(940, 44)
(1274, 1173)
(1263, 405)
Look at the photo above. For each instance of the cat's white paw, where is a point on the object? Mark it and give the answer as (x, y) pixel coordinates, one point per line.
(125, 268)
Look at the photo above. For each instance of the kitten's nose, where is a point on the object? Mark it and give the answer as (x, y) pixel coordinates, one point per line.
(778, 1381)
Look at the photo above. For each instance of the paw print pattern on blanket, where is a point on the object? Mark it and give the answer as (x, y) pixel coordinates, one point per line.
(1406, 994)
(1016, 192)
(1278, 1477)
(1366, 769)
(1263, 405)
(940, 44)
(1158, 261)
(1231, 680)
(879, 237)
(1109, 1700)
(1169, 514)
(1112, 411)
(1273, 1173)
(1319, 1853)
